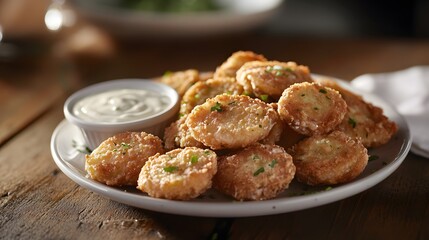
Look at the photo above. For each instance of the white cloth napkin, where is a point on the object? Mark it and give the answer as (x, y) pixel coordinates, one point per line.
(408, 91)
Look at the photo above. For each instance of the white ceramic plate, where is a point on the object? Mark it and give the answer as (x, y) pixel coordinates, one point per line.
(67, 143)
(235, 16)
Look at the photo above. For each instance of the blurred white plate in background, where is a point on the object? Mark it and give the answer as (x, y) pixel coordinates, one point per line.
(233, 16)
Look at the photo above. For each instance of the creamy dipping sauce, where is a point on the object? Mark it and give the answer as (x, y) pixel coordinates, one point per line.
(123, 105)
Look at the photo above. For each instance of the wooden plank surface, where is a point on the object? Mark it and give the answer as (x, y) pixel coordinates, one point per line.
(37, 201)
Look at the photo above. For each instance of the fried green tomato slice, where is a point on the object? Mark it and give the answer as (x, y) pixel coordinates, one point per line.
(229, 68)
(231, 121)
(311, 109)
(267, 80)
(363, 120)
(118, 160)
(199, 92)
(258, 172)
(180, 174)
(329, 159)
(177, 135)
(181, 81)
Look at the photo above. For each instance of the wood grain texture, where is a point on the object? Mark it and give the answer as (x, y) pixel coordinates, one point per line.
(37, 201)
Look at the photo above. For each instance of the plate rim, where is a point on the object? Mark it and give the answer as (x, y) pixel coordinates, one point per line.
(235, 208)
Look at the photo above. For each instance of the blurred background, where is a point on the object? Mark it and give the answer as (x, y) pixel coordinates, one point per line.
(328, 18)
(353, 18)
(98, 36)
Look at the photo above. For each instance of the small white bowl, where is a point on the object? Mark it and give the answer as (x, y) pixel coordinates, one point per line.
(96, 132)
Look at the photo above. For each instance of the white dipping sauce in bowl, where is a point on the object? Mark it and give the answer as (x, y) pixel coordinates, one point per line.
(121, 105)
(104, 109)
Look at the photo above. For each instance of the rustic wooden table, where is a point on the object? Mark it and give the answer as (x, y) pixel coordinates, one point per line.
(37, 201)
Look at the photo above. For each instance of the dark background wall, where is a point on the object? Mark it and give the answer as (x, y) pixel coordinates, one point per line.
(356, 18)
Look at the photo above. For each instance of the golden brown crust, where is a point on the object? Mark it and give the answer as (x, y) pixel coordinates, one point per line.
(271, 78)
(181, 80)
(231, 121)
(363, 120)
(118, 160)
(275, 134)
(257, 172)
(229, 68)
(199, 92)
(311, 109)
(177, 135)
(180, 174)
(329, 159)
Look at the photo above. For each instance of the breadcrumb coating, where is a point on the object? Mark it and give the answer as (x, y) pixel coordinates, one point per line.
(310, 108)
(268, 79)
(118, 160)
(258, 172)
(231, 121)
(229, 68)
(180, 174)
(329, 159)
(363, 120)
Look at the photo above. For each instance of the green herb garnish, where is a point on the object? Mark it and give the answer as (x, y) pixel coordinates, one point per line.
(273, 163)
(81, 148)
(217, 107)
(125, 145)
(171, 169)
(373, 158)
(352, 122)
(322, 90)
(259, 171)
(194, 159)
(167, 73)
(264, 98)
(255, 157)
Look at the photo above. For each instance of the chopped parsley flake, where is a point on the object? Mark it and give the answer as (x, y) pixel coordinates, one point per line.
(352, 122)
(373, 158)
(217, 107)
(264, 98)
(171, 169)
(256, 157)
(278, 70)
(167, 73)
(81, 148)
(259, 171)
(206, 152)
(125, 145)
(194, 159)
(273, 163)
